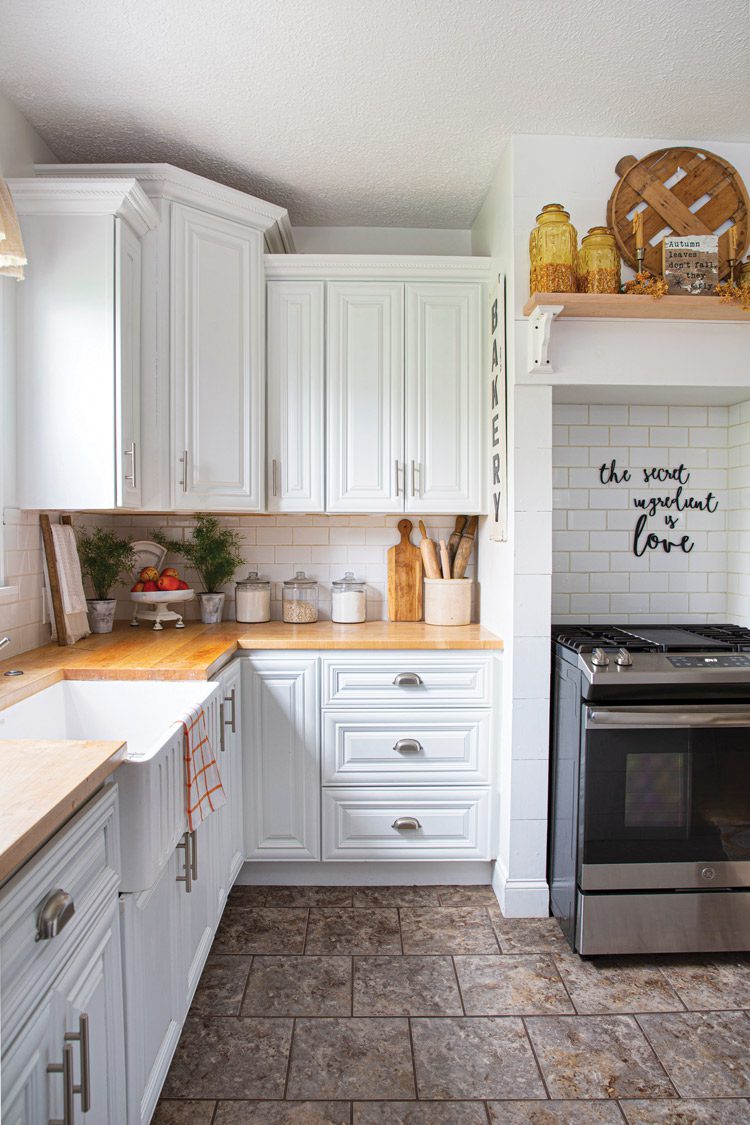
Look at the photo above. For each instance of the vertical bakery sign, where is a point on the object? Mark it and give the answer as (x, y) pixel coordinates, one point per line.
(498, 506)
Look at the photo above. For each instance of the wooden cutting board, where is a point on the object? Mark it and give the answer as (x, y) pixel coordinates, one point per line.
(404, 578)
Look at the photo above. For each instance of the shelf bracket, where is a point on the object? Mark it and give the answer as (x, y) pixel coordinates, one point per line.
(540, 323)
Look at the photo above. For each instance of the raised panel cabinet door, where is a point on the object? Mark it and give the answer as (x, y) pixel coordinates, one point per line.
(217, 363)
(230, 821)
(199, 907)
(127, 365)
(29, 1092)
(444, 365)
(282, 759)
(294, 395)
(365, 389)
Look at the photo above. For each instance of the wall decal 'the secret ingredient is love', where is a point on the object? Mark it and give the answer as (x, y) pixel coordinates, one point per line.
(670, 505)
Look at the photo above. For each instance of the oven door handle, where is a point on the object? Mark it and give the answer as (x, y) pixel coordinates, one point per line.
(643, 718)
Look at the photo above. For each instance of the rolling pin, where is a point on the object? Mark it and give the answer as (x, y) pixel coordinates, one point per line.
(465, 547)
(429, 554)
(455, 537)
(445, 561)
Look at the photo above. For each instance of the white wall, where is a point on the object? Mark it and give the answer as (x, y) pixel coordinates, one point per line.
(738, 536)
(381, 240)
(596, 574)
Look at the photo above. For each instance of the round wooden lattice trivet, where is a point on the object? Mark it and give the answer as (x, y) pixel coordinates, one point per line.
(707, 177)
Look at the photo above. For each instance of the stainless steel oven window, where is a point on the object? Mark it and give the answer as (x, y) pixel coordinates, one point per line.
(656, 790)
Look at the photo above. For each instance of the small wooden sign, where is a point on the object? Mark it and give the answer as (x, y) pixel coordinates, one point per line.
(691, 263)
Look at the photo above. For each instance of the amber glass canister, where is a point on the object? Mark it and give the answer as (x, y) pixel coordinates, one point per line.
(599, 262)
(553, 251)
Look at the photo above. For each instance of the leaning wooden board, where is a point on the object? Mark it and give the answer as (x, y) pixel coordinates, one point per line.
(707, 177)
(405, 578)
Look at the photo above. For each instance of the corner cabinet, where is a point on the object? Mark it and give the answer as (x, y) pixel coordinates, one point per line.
(217, 363)
(79, 347)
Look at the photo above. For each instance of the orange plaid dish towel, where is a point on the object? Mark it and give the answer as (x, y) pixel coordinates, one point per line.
(204, 792)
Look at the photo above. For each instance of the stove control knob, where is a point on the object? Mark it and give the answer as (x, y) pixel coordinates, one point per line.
(624, 659)
(599, 658)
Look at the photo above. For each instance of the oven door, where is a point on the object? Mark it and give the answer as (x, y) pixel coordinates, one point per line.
(665, 798)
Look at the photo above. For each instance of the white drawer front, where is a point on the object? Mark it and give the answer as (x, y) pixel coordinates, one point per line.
(83, 858)
(452, 824)
(403, 679)
(406, 746)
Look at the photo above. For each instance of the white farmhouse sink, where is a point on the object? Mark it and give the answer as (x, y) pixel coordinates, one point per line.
(146, 714)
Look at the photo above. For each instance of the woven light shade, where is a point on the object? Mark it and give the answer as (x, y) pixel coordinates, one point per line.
(12, 254)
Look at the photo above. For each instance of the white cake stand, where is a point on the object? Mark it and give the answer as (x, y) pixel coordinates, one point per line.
(153, 605)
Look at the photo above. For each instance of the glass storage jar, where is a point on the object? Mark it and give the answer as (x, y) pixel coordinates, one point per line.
(300, 600)
(599, 262)
(553, 249)
(744, 277)
(253, 599)
(348, 600)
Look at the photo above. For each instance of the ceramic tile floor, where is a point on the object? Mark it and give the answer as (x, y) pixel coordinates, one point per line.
(424, 1006)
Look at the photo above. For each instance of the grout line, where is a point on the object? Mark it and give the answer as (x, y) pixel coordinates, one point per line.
(289, 1059)
(247, 984)
(351, 990)
(215, 1113)
(307, 927)
(536, 1060)
(413, 1057)
(643, 1032)
(458, 984)
(565, 987)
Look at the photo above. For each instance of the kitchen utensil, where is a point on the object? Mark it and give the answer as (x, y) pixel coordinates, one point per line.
(465, 547)
(405, 577)
(429, 554)
(455, 536)
(445, 562)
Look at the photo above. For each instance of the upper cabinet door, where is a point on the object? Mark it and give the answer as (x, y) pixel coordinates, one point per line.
(443, 397)
(127, 365)
(295, 358)
(365, 365)
(217, 363)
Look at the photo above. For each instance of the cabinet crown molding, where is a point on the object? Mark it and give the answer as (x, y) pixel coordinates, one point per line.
(173, 184)
(363, 267)
(60, 195)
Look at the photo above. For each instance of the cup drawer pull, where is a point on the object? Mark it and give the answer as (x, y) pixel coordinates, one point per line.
(408, 746)
(408, 679)
(55, 913)
(410, 823)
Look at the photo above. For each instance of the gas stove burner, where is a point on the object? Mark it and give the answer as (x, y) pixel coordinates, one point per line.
(654, 638)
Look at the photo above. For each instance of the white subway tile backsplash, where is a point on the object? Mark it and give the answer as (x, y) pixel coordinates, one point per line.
(608, 415)
(649, 415)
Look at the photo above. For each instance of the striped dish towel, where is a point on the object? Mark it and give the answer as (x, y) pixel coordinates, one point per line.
(204, 792)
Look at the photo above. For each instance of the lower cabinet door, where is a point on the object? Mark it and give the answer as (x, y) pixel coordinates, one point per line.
(152, 974)
(94, 1025)
(30, 1094)
(199, 908)
(282, 759)
(230, 818)
(413, 823)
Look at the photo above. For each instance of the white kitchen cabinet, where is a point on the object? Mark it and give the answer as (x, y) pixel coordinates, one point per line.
(79, 350)
(365, 376)
(282, 757)
(443, 397)
(217, 363)
(294, 396)
(231, 816)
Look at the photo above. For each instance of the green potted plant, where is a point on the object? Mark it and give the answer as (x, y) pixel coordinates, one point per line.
(214, 551)
(105, 558)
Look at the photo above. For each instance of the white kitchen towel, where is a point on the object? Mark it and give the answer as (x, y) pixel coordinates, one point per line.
(204, 792)
(71, 583)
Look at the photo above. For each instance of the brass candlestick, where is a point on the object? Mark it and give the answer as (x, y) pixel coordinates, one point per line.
(732, 263)
(640, 253)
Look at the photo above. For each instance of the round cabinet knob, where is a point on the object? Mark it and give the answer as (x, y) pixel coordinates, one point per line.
(599, 658)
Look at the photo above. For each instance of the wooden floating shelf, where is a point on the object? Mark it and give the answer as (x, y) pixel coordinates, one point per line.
(618, 306)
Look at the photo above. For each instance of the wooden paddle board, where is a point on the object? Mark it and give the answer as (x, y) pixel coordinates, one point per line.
(404, 578)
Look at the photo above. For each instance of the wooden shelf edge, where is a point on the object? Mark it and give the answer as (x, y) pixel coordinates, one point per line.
(623, 306)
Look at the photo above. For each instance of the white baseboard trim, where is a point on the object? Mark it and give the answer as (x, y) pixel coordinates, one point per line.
(520, 898)
(286, 873)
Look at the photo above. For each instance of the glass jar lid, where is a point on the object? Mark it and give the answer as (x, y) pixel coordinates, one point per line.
(300, 579)
(348, 582)
(254, 579)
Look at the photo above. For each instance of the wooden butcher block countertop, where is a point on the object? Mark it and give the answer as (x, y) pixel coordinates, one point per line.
(45, 783)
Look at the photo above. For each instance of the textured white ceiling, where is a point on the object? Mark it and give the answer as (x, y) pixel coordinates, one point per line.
(367, 112)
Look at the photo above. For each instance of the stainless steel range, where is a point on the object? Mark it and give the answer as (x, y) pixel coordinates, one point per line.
(650, 788)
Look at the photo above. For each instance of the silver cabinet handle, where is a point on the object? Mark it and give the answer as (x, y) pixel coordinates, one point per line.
(131, 454)
(399, 488)
(416, 469)
(82, 1037)
(184, 460)
(222, 724)
(408, 746)
(406, 822)
(231, 722)
(187, 876)
(66, 1069)
(55, 913)
(408, 679)
(194, 854)
(275, 477)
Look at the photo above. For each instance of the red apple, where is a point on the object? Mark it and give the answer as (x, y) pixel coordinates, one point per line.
(182, 585)
(167, 582)
(137, 588)
(169, 572)
(149, 587)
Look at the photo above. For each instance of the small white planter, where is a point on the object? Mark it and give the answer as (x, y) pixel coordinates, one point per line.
(447, 601)
(212, 608)
(101, 614)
